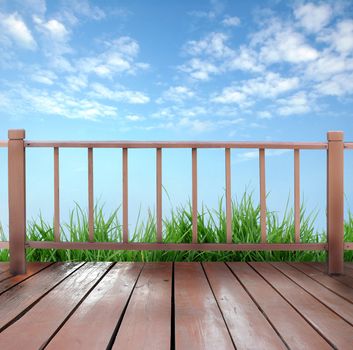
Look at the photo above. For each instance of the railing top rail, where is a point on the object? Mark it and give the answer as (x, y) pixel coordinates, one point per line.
(177, 144)
(3, 143)
(348, 145)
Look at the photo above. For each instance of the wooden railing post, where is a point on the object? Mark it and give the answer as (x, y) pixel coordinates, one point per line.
(335, 202)
(17, 201)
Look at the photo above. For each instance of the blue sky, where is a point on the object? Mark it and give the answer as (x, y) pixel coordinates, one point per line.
(168, 70)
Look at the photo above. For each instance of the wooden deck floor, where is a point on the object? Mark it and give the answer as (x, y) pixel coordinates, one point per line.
(176, 306)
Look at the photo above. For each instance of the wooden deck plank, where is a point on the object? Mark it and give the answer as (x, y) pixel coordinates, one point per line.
(334, 302)
(347, 280)
(198, 320)
(34, 329)
(348, 265)
(336, 330)
(246, 323)
(100, 312)
(292, 327)
(147, 321)
(4, 266)
(348, 271)
(10, 280)
(19, 298)
(256, 305)
(325, 280)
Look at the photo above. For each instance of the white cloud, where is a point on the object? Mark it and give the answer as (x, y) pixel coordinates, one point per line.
(338, 85)
(313, 17)
(4, 101)
(53, 28)
(176, 94)
(293, 105)
(60, 63)
(276, 42)
(199, 69)
(196, 124)
(214, 44)
(244, 59)
(127, 96)
(76, 83)
(119, 57)
(285, 45)
(340, 38)
(55, 41)
(134, 118)
(61, 104)
(193, 111)
(328, 64)
(230, 95)
(231, 21)
(15, 28)
(84, 8)
(38, 7)
(269, 86)
(176, 111)
(212, 56)
(265, 115)
(44, 77)
(216, 9)
(125, 45)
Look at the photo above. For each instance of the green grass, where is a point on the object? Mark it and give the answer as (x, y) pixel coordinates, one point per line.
(178, 229)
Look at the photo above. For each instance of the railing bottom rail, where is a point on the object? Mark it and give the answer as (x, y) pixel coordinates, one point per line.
(178, 246)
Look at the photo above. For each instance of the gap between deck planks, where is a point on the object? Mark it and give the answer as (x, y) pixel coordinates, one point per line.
(4, 266)
(7, 280)
(212, 306)
(315, 313)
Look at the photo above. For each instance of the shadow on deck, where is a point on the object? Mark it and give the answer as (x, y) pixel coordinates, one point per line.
(176, 306)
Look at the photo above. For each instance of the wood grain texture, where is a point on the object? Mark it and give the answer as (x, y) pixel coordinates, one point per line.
(228, 196)
(348, 271)
(8, 280)
(178, 144)
(17, 201)
(159, 194)
(294, 330)
(34, 328)
(125, 196)
(340, 306)
(263, 209)
(194, 196)
(246, 323)
(147, 321)
(198, 320)
(331, 326)
(265, 306)
(4, 266)
(178, 246)
(22, 296)
(325, 280)
(345, 279)
(100, 312)
(297, 195)
(90, 196)
(56, 195)
(335, 202)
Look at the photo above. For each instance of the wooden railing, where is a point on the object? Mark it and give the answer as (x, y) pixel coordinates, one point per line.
(335, 198)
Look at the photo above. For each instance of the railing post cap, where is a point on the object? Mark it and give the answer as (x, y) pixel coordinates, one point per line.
(17, 134)
(335, 136)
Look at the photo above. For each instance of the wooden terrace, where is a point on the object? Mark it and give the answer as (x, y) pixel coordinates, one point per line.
(176, 306)
(210, 305)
